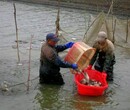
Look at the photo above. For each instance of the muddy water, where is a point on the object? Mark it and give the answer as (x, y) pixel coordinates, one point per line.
(38, 20)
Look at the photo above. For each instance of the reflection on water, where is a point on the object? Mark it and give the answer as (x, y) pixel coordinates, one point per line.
(56, 98)
(88, 103)
(47, 96)
(53, 97)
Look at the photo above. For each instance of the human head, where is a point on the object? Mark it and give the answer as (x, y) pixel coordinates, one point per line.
(102, 36)
(52, 36)
(52, 39)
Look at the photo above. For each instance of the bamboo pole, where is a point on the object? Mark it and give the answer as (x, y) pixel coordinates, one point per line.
(58, 24)
(111, 8)
(127, 29)
(29, 63)
(114, 28)
(16, 33)
(113, 24)
(58, 18)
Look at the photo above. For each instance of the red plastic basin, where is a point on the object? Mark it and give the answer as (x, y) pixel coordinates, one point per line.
(91, 90)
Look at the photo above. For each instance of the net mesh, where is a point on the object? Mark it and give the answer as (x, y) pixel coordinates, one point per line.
(118, 30)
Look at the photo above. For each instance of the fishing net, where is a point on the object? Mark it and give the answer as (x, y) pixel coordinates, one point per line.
(117, 30)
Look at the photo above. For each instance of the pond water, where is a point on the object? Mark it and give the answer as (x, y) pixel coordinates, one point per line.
(38, 20)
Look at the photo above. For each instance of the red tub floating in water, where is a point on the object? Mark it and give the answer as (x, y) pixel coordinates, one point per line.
(91, 90)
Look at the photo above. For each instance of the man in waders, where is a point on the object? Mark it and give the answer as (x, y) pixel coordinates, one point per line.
(50, 62)
(104, 57)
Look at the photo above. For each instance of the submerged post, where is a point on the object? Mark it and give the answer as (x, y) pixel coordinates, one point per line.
(29, 63)
(16, 33)
(127, 29)
(114, 29)
(58, 18)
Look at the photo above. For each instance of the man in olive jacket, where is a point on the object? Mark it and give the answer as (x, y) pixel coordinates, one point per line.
(104, 57)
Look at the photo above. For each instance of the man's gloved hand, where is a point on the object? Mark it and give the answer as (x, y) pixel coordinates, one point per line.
(74, 66)
(89, 67)
(69, 44)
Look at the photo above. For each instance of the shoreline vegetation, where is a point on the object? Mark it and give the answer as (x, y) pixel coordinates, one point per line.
(119, 7)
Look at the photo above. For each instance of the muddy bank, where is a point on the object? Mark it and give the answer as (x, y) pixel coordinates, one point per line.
(120, 7)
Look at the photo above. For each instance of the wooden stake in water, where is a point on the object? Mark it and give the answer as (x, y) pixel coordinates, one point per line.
(127, 29)
(58, 18)
(16, 33)
(29, 63)
(114, 28)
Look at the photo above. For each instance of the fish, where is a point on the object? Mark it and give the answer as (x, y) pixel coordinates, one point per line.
(91, 82)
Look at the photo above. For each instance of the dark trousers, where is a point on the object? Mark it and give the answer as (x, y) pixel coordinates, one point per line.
(51, 77)
(99, 67)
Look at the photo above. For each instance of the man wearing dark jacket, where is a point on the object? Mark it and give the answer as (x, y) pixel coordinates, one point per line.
(104, 57)
(50, 62)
